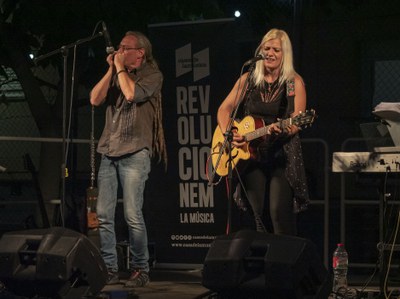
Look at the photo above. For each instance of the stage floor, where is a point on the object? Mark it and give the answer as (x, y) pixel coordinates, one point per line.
(186, 284)
(164, 284)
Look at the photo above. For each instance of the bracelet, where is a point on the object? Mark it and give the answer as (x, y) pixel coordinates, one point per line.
(121, 71)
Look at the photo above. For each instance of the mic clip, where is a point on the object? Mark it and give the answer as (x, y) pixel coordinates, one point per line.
(254, 59)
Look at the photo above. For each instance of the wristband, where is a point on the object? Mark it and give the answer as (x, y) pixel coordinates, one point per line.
(121, 71)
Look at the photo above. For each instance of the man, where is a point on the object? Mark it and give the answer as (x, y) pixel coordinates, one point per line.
(131, 89)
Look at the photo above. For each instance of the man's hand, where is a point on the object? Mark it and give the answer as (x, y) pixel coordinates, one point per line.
(110, 60)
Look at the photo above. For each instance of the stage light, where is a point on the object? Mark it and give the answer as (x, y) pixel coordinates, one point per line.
(237, 13)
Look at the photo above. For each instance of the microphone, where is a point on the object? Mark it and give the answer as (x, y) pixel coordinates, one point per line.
(254, 59)
(106, 34)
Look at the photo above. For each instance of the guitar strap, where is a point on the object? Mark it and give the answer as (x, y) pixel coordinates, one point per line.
(290, 96)
(92, 192)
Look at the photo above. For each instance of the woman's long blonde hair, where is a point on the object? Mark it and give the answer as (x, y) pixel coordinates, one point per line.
(286, 68)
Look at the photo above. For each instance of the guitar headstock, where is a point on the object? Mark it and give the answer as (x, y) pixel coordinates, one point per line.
(304, 119)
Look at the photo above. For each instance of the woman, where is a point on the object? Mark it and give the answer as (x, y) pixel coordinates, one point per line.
(274, 91)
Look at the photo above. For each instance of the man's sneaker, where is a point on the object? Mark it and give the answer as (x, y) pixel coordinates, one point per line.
(112, 277)
(138, 278)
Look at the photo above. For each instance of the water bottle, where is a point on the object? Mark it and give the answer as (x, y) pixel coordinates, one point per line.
(340, 264)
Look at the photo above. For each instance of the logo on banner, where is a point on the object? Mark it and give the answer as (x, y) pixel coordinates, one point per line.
(198, 63)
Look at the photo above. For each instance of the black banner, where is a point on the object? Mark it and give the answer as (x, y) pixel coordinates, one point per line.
(199, 61)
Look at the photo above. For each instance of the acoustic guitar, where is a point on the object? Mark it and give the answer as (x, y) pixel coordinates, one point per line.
(251, 129)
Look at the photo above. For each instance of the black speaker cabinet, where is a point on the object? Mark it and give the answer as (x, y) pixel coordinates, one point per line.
(54, 262)
(248, 264)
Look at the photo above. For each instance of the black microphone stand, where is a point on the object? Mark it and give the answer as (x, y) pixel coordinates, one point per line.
(227, 144)
(64, 51)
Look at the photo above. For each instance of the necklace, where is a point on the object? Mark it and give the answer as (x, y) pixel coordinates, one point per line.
(270, 86)
(269, 91)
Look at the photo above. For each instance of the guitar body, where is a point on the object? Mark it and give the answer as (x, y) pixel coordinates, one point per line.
(254, 131)
(245, 126)
(91, 200)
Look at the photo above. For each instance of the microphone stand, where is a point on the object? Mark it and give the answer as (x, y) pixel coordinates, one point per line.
(64, 51)
(228, 144)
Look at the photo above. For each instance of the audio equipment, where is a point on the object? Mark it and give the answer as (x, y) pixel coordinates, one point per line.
(253, 264)
(54, 262)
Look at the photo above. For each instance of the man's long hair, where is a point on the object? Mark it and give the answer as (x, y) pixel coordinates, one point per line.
(159, 147)
(144, 42)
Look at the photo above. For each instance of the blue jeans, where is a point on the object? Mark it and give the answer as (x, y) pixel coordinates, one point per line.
(132, 172)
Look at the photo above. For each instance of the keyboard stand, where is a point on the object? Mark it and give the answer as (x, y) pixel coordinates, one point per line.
(384, 248)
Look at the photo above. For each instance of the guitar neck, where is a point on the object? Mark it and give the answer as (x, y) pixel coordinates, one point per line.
(264, 130)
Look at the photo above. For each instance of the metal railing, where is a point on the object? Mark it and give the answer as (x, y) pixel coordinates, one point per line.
(325, 202)
(326, 168)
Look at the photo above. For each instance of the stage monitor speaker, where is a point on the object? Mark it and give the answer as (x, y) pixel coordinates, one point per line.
(263, 265)
(54, 263)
